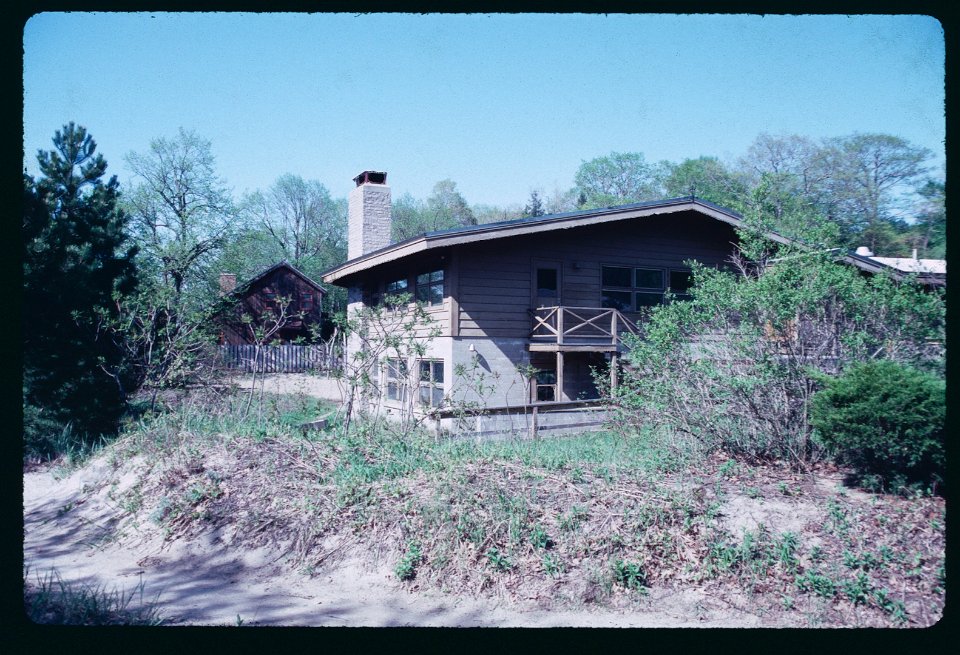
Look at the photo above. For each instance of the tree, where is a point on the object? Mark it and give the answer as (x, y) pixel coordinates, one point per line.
(707, 179)
(182, 216)
(535, 206)
(929, 233)
(617, 179)
(300, 217)
(182, 211)
(447, 207)
(76, 257)
(866, 177)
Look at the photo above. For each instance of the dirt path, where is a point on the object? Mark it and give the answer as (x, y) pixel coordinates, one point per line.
(72, 526)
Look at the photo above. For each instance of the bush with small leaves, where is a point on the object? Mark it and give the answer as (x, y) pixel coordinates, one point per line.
(886, 420)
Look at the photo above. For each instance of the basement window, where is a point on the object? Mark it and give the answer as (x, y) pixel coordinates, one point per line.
(430, 288)
(431, 382)
(396, 376)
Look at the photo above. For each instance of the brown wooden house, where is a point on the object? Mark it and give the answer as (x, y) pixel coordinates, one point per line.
(554, 292)
(281, 291)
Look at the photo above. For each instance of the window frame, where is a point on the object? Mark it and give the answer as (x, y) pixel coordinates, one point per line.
(428, 285)
(400, 380)
(431, 383)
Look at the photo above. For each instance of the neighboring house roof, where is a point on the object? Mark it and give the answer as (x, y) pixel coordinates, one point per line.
(907, 265)
(928, 271)
(532, 225)
(242, 288)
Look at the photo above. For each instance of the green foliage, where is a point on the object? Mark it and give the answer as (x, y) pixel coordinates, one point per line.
(617, 179)
(52, 601)
(736, 366)
(76, 256)
(886, 420)
(406, 568)
(707, 179)
(629, 574)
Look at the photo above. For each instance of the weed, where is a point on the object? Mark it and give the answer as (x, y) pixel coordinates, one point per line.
(54, 601)
(753, 492)
(571, 521)
(551, 565)
(498, 560)
(858, 590)
(629, 574)
(728, 469)
(406, 568)
(819, 584)
(539, 537)
(895, 608)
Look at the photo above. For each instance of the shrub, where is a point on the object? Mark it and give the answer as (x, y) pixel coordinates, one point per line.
(886, 420)
(734, 366)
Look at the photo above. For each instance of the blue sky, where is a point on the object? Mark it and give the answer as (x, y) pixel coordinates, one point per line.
(499, 103)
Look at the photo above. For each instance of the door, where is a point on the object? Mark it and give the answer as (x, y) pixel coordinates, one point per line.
(546, 283)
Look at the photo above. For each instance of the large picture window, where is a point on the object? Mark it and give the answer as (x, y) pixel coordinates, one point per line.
(431, 382)
(430, 288)
(630, 288)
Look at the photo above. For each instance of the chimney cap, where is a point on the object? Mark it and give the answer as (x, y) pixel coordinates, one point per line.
(371, 177)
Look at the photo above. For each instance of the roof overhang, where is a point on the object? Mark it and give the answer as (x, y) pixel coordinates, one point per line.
(520, 227)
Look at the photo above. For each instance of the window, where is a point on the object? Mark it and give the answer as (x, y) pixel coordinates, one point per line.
(306, 301)
(546, 283)
(431, 382)
(397, 288)
(430, 288)
(396, 376)
(680, 282)
(546, 385)
(627, 289)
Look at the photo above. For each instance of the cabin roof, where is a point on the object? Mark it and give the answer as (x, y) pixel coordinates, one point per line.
(243, 288)
(531, 225)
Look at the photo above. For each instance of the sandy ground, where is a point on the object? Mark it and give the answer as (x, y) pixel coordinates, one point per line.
(72, 527)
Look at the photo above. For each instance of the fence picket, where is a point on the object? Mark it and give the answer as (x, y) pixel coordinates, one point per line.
(278, 359)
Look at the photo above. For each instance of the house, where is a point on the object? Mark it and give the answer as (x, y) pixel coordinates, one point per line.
(555, 293)
(931, 273)
(549, 295)
(290, 298)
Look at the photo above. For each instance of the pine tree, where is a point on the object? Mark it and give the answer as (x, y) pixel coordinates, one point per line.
(74, 261)
(535, 206)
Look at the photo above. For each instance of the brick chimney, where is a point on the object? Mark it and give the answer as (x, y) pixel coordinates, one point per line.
(228, 282)
(368, 214)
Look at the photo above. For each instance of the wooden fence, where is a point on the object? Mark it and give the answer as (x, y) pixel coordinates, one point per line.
(279, 359)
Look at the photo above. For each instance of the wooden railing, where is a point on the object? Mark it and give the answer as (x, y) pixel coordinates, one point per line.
(580, 325)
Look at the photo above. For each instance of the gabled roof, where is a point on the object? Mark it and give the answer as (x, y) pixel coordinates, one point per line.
(242, 288)
(533, 225)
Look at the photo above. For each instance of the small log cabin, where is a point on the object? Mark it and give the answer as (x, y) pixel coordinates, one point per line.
(282, 287)
(556, 293)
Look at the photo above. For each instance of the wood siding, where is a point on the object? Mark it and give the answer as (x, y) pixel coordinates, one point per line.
(495, 281)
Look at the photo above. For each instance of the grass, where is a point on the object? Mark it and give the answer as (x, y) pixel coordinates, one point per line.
(51, 600)
(566, 518)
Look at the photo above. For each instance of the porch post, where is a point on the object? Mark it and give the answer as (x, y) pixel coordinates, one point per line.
(614, 360)
(559, 375)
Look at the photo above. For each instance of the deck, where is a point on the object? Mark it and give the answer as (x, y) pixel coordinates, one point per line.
(579, 329)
